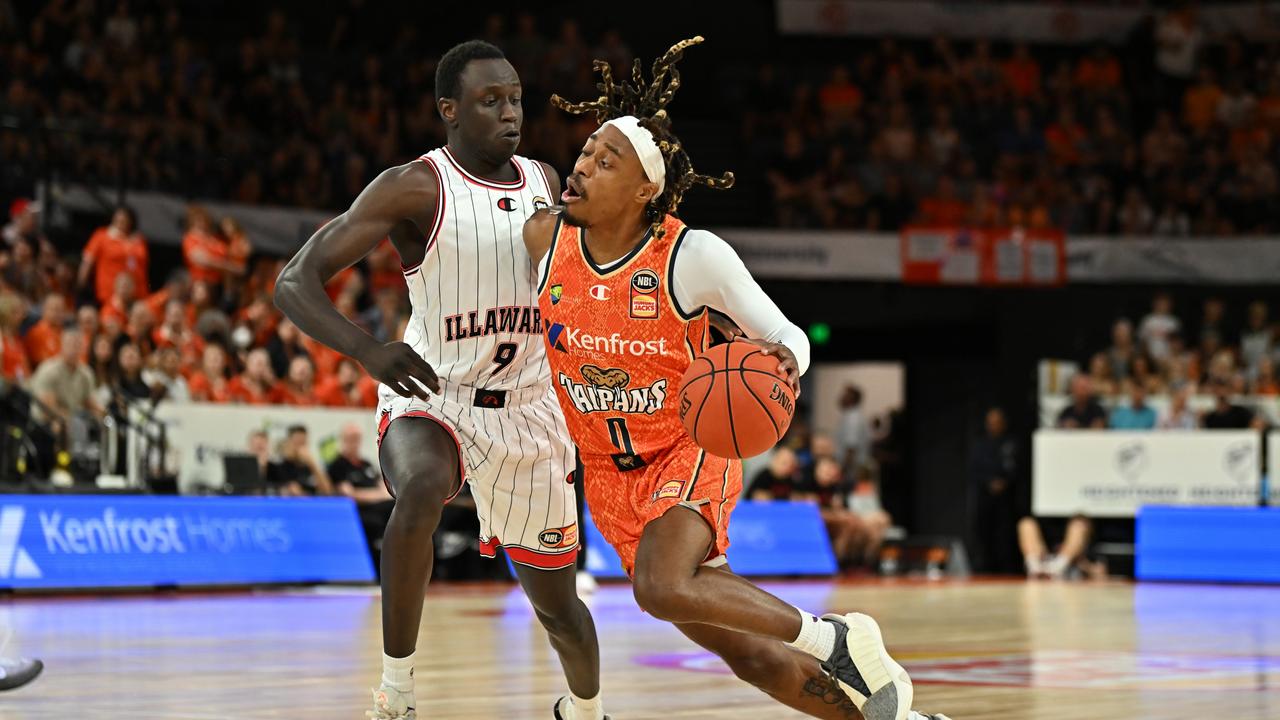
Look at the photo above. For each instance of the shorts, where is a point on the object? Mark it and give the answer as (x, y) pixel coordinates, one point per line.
(623, 503)
(516, 454)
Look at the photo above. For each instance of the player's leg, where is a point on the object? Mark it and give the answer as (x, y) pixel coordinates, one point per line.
(554, 596)
(420, 460)
(1076, 541)
(672, 584)
(789, 676)
(1031, 542)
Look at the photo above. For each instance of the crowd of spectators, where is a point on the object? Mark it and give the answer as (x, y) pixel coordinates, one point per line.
(1159, 357)
(1171, 133)
(842, 475)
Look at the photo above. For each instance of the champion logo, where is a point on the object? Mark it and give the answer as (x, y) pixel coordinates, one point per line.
(506, 204)
(600, 292)
(14, 561)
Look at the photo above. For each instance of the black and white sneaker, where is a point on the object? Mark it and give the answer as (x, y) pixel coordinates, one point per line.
(18, 672)
(564, 709)
(878, 686)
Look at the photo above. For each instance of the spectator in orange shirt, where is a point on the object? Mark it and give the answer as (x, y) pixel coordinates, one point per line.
(140, 327)
(349, 388)
(1065, 138)
(14, 365)
(839, 99)
(1098, 72)
(44, 339)
(256, 385)
(177, 287)
(117, 306)
(210, 384)
(206, 254)
(1200, 102)
(943, 207)
(115, 250)
(1022, 73)
(238, 246)
(298, 388)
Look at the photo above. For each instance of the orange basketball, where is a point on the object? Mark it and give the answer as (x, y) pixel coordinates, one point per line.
(733, 401)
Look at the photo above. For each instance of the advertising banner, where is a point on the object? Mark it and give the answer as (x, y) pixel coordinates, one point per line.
(101, 541)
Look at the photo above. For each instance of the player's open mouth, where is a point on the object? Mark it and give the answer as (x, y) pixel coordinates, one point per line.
(570, 193)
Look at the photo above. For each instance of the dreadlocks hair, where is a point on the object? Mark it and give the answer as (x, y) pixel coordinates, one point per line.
(648, 104)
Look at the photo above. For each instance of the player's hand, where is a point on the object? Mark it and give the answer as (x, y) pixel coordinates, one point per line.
(788, 367)
(397, 366)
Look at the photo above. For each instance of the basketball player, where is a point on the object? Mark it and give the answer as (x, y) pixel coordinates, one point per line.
(625, 289)
(465, 397)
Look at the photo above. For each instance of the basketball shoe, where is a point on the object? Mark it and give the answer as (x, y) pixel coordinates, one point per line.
(919, 716)
(564, 709)
(391, 705)
(18, 672)
(861, 665)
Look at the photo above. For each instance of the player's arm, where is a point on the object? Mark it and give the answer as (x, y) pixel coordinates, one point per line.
(708, 273)
(540, 226)
(404, 194)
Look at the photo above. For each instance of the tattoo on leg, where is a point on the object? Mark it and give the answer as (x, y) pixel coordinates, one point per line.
(826, 689)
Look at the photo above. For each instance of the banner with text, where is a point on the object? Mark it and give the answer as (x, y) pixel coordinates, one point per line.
(1113, 473)
(989, 256)
(121, 541)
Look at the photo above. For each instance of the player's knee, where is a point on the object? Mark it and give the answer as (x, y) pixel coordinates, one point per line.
(422, 494)
(1026, 523)
(662, 595)
(562, 620)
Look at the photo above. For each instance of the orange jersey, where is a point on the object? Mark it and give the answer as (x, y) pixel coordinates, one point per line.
(113, 255)
(618, 345)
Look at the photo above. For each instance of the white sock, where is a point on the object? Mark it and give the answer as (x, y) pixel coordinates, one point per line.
(584, 709)
(397, 673)
(817, 636)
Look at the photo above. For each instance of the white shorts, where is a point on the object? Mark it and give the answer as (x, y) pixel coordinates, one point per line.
(515, 452)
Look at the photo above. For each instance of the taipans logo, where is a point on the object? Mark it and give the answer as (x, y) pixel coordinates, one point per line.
(556, 292)
(644, 294)
(600, 292)
(14, 561)
(507, 204)
(540, 202)
(559, 537)
(1241, 461)
(1132, 460)
(605, 390)
(560, 336)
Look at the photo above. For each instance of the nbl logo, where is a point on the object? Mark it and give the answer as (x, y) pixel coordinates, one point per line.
(14, 561)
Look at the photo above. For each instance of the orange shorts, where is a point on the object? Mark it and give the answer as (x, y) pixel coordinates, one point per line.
(623, 503)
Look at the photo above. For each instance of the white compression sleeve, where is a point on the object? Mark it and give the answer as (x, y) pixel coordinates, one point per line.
(709, 273)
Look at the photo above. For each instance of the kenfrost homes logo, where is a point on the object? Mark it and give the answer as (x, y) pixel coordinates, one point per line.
(14, 561)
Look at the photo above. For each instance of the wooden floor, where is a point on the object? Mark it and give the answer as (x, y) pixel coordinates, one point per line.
(981, 650)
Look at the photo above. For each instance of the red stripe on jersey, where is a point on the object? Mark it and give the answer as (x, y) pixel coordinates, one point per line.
(525, 556)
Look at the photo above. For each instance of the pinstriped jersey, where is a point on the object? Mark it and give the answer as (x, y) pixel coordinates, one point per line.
(618, 343)
(475, 314)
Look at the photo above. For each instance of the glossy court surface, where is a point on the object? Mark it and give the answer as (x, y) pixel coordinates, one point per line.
(982, 650)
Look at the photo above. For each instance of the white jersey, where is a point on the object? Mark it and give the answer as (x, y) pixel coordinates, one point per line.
(475, 315)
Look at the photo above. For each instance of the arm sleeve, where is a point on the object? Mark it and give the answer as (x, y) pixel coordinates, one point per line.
(708, 273)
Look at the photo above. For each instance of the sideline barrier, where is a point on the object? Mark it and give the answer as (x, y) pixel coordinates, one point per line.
(765, 538)
(70, 542)
(1113, 473)
(1209, 544)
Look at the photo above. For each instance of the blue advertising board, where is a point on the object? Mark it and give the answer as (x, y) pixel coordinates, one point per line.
(765, 538)
(95, 541)
(1208, 544)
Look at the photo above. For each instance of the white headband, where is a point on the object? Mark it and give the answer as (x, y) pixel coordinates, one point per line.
(646, 149)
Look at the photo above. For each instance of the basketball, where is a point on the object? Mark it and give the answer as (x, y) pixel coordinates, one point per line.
(733, 401)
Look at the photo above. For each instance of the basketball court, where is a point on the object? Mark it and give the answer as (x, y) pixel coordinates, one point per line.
(982, 650)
